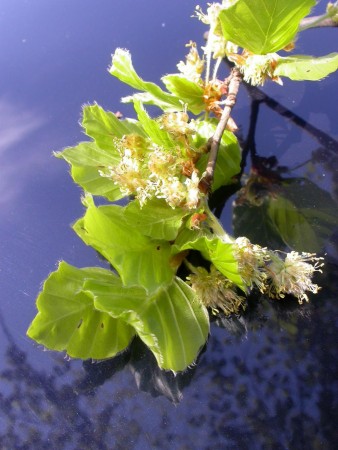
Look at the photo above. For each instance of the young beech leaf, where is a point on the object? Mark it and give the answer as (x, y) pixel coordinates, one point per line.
(86, 160)
(229, 154)
(104, 126)
(300, 67)
(123, 69)
(263, 26)
(138, 259)
(219, 253)
(172, 323)
(89, 154)
(67, 320)
(155, 219)
(188, 91)
(153, 128)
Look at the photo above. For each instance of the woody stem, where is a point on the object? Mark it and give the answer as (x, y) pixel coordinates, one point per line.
(234, 81)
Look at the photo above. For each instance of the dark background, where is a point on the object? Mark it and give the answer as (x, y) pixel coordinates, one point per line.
(273, 386)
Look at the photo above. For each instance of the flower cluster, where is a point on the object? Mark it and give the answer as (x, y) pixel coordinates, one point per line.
(193, 68)
(273, 275)
(332, 11)
(251, 262)
(260, 268)
(177, 124)
(256, 68)
(217, 45)
(146, 170)
(293, 275)
(215, 291)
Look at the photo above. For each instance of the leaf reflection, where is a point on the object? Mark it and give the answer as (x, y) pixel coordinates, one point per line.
(281, 377)
(290, 211)
(276, 210)
(142, 364)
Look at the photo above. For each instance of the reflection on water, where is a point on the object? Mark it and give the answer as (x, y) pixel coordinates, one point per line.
(16, 124)
(272, 369)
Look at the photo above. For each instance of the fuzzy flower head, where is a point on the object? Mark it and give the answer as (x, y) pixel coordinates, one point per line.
(161, 164)
(215, 291)
(217, 45)
(257, 68)
(193, 68)
(251, 262)
(293, 275)
(332, 11)
(172, 190)
(193, 193)
(128, 173)
(177, 124)
(137, 145)
(211, 17)
(178, 193)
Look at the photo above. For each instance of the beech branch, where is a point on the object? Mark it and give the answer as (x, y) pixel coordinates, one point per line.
(234, 82)
(317, 22)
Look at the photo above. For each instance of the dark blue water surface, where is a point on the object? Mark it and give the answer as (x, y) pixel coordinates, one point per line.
(266, 381)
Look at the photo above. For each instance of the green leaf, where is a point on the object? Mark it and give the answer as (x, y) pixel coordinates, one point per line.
(103, 126)
(172, 323)
(263, 26)
(186, 90)
(87, 159)
(229, 154)
(138, 259)
(219, 253)
(89, 154)
(300, 67)
(92, 182)
(123, 69)
(155, 219)
(67, 320)
(153, 128)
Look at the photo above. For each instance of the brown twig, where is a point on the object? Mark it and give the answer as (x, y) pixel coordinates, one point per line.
(234, 81)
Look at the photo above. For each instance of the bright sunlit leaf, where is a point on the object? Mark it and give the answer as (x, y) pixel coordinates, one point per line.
(300, 67)
(87, 159)
(139, 260)
(152, 127)
(67, 320)
(189, 92)
(103, 126)
(172, 323)
(263, 26)
(155, 219)
(122, 68)
(219, 253)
